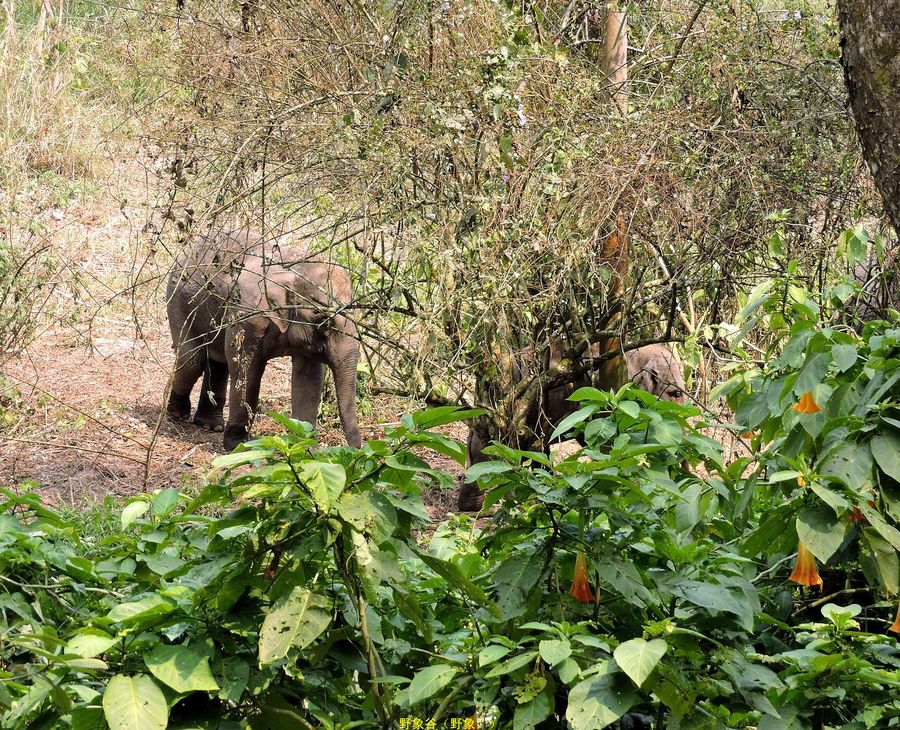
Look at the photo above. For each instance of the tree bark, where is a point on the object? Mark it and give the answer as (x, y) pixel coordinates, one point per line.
(616, 56)
(870, 54)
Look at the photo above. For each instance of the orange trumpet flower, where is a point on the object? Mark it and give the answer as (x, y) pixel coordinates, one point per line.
(805, 572)
(807, 404)
(895, 627)
(801, 482)
(581, 587)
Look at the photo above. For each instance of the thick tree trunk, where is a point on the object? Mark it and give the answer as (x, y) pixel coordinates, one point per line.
(870, 44)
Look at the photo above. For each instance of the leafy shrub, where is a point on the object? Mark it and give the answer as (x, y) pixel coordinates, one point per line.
(641, 575)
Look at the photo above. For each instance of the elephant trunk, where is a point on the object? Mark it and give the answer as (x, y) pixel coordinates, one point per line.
(344, 370)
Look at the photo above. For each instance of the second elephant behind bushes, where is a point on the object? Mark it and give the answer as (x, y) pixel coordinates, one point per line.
(653, 368)
(236, 301)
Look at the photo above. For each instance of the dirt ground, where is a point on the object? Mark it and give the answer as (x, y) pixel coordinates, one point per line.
(89, 421)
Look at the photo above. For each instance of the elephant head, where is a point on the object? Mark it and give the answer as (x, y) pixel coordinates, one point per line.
(656, 369)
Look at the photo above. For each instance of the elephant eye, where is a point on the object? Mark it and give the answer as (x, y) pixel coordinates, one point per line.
(676, 393)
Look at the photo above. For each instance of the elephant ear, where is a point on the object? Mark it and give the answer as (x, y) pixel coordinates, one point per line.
(272, 296)
(644, 380)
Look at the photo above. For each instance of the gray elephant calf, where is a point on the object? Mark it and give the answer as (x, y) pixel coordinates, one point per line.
(234, 303)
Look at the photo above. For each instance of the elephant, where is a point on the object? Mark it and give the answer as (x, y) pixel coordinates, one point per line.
(654, 368)
(235, 301)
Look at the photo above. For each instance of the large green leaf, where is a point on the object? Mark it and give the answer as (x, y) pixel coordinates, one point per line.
(844, 357)
(134, 703)
(325, 482)
(850, 463)
(553, 651)
(181, 668)
(812, 373)
(513, 665)
(134, 611)
(430, 680)
(886, 450)
(879, 561)
(89, 643)
(599, 701)
(239, 458)
(821, 530)
(294, 622)
(638, 657)
(132, 511)
(712, 597)
(531, 713)
(888, 532)
(566, 424)
(514, 579)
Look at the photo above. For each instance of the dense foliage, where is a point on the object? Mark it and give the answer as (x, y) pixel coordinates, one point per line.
(644, 574)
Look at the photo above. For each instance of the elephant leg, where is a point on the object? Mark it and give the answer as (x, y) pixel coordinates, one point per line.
(306, 388)
(189, 365)
(470, 496)
(343, 360)
(243, 399)
(212, 396)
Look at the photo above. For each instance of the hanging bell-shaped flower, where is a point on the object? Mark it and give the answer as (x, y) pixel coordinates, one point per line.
(805, 572)
(807, 404)
(581, 587)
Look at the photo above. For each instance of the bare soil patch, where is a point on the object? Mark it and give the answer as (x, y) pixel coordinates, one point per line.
(89, 421)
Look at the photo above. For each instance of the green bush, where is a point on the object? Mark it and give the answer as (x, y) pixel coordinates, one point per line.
(642, 574)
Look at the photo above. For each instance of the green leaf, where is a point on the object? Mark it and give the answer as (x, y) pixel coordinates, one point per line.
(90, 642)
(888, 532)
(831, 498)
(514, 579)
(566, 424)
(133, 611)
(164, 502)
(850, 463)
(134, 703)
(532, 713)
(599, 701)
(491, 653)
(442, 415)
(554, 651)
(820, 530)
(132, 511)
(513, 664)
(879, 561)
(486, 468)
(239, 458)
(325, 482)
(181, 668)
(844, 357)
(629, 407)
(294, 622)
(812, 373)
(886, 450)
(712, 597)
(599, 431)
(429, 681)
(638, 658)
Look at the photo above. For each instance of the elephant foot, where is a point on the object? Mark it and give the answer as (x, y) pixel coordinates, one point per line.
(179, 408)
(211, 421)
(234, 436)
(470, 498)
